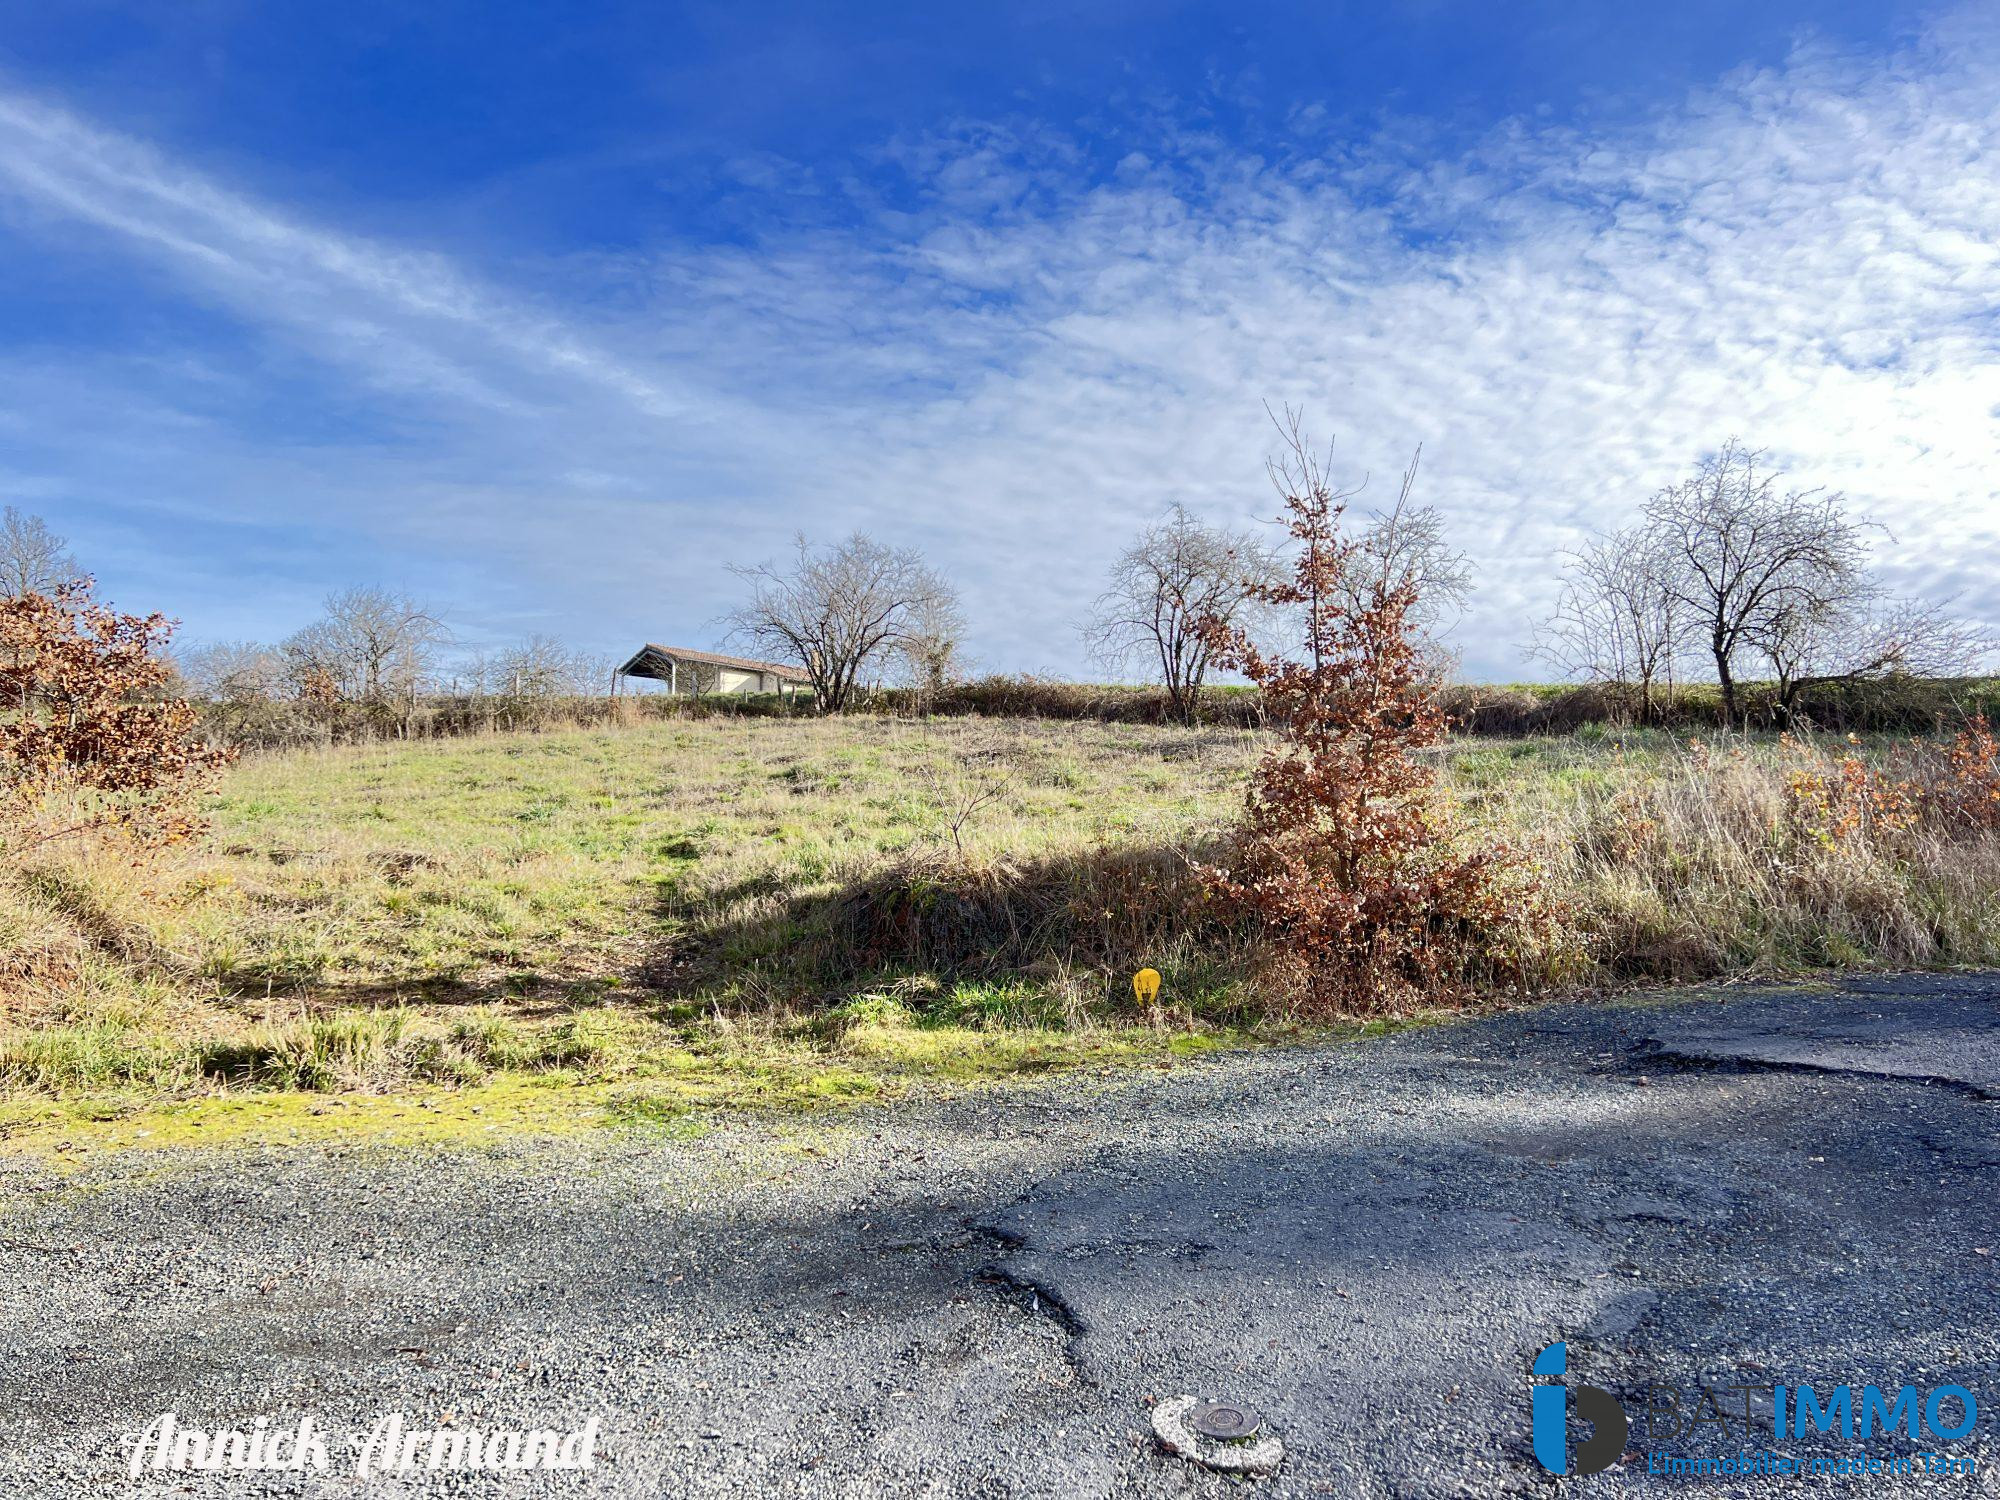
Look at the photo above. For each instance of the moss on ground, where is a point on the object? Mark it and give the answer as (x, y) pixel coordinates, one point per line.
(655, 1089)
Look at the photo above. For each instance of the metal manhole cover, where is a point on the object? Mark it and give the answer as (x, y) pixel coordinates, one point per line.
(1224, 1420)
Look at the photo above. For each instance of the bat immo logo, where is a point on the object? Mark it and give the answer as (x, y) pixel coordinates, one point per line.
(1551, 1410)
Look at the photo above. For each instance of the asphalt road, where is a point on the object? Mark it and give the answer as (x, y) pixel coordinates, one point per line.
(983, 1296)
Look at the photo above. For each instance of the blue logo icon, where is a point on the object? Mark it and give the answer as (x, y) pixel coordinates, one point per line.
(1551, 1410)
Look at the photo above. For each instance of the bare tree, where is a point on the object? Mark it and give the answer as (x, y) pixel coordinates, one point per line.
(1728, 564)
(376, 645)
(1617, 621)
(932, 648)
(543, 667)
(234, 672)
(960, 797)
(1866, 633)
(33, 559)
(1175, 575)
(1741, 554)
(1406, 547)
(839, 610)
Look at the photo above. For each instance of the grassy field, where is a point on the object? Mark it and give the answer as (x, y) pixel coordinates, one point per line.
(576, 925)
(635, 925)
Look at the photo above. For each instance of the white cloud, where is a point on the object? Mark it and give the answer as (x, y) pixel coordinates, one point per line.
(1019, 369)
(409, 316)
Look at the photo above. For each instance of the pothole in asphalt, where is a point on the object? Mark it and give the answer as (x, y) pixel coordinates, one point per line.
(1226, 1436)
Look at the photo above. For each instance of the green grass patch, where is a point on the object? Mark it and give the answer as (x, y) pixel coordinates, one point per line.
(626, 928)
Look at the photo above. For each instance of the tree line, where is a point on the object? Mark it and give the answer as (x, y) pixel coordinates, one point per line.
(1733, 569)
(1728, 573)
(383, 648)
(370, 646)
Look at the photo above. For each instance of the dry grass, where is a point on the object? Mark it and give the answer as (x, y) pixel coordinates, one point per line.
(704, 899)
(1684, 864)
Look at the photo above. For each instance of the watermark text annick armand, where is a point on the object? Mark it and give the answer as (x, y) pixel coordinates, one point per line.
(394, 1445)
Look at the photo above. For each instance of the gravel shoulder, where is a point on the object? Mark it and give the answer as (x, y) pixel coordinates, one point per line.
(981, 1296)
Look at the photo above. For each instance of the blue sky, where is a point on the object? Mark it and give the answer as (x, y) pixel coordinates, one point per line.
(546, 313)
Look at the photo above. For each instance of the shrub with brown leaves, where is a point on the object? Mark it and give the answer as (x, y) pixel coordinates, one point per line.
(1845, 800)
(88, 744)
(1967, 795)
(1346, 852)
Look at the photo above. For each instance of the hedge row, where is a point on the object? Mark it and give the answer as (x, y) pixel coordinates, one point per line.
(1897, 705)
(1902, 706)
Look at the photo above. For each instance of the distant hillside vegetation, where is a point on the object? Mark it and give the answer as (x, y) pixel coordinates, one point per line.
(1886, 706)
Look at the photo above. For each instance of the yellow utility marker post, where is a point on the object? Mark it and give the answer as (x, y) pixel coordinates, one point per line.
(1146, 985)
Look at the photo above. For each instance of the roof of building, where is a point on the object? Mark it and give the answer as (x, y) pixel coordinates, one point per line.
(715, 659)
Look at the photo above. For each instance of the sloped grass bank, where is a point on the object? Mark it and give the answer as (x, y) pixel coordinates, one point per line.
(777, 914)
